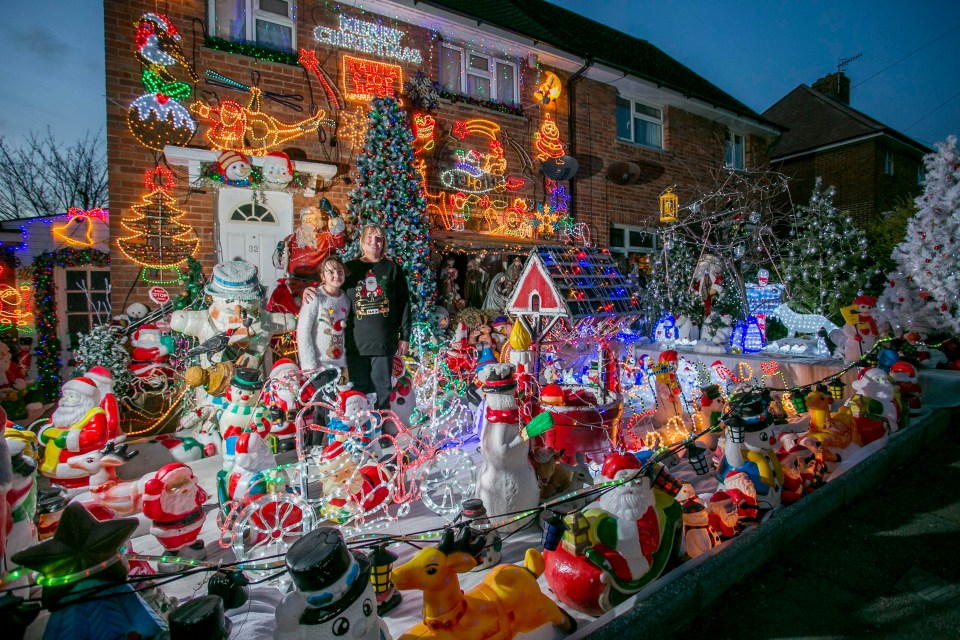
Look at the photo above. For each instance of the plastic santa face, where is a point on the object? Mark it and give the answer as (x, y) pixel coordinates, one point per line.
(180, 493)
(72, 406)
(276, 170)
(875, 383)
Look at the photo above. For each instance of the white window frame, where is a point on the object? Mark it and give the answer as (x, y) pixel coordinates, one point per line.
(63, 323)
(254, 13)
(642, 116)
(630, 249)
(490, 75)
(738, 162)
(888, 163)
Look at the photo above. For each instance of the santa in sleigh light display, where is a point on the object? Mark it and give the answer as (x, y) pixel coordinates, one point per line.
(576, 298)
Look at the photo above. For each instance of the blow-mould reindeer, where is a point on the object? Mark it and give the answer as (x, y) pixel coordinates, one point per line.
(507, 602)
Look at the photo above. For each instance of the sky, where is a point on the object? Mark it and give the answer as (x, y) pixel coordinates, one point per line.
(755, 50)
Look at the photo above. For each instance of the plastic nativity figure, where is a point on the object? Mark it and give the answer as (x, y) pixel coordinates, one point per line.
(88, 595)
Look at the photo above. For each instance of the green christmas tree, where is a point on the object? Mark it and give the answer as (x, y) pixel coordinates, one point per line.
(389, 192)
(824, 259)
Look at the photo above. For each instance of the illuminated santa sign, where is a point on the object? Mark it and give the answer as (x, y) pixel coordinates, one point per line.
(368, 37)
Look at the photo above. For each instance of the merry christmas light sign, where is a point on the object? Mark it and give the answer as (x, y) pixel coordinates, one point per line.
(368, 37)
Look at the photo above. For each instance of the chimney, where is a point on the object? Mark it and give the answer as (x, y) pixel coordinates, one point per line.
(835, 85)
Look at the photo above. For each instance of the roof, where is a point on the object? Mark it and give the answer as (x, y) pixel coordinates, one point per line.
(588, 39)
(813, 120)
(586, 280)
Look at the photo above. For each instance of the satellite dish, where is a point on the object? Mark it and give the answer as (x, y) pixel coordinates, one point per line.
(562, 168)
(624, 173)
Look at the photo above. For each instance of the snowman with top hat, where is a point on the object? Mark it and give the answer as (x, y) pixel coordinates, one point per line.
(333, 596)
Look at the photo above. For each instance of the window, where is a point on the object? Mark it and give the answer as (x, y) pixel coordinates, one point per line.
(639, 123)
(478, 76)
(626, 239)
(83, 301)
(266, 23)
(921, 176)
(253, 212)
(888, 163)
(733, 151)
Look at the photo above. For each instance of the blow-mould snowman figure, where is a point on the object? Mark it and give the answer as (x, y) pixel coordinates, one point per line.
(749, 447)
(235, 317)
(332, 596)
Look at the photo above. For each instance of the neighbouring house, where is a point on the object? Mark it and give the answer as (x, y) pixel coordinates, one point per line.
(872, 166)
(527, 89)
(54, 284)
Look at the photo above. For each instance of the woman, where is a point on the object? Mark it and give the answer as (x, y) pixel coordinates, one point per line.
(378, 322)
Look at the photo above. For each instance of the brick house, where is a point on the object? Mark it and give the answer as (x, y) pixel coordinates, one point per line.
(523, 83)
(872, 166)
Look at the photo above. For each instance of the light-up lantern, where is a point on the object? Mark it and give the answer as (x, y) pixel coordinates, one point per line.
(799, 400)
(836, 387)
(553, 529)
(697, 457)
(668, 206)
(736, 429)
(381, 573)
(666, 481)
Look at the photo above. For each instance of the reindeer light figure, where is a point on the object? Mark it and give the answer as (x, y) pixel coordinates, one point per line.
(507, 602)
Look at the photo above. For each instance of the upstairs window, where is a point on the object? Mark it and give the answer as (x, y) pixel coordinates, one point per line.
(921, 176)
(888, 163)
(478, 76)
(267, 23)
(733, 151)
(639, 123)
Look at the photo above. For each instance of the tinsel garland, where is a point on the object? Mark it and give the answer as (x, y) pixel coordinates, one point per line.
(252, 50)
(48, 343)
(486, 104)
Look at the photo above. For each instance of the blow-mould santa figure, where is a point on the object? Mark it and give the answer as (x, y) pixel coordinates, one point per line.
(77, 426)
(151, 350)
(102, 377)
(635, 534)
(173, 501)
(282, 400)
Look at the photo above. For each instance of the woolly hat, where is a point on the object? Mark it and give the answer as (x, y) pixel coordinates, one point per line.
(692, 505)
(617, 462)
(228, 158)
(85, 387)
(284, 366)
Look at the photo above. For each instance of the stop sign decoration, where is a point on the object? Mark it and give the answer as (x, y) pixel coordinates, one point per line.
(159, 295)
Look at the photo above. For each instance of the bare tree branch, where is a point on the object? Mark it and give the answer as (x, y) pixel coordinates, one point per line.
(42, 177)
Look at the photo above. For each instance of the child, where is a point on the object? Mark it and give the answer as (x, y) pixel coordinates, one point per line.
(320, 326)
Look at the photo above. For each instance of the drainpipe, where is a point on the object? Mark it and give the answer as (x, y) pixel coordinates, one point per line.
(571, 124)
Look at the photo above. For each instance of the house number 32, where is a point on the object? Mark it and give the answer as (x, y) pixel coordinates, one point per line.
(253, 248)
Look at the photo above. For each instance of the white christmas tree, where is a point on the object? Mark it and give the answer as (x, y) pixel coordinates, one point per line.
(823, 259)
(923, 290)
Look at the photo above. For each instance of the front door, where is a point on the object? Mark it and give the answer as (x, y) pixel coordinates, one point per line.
(251, 229)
